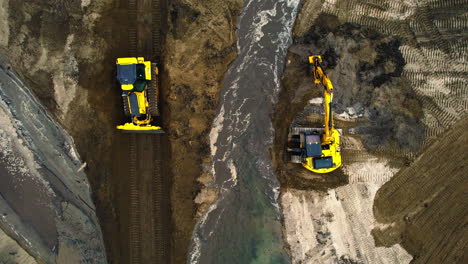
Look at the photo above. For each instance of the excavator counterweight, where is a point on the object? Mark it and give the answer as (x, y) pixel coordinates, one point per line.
(317, 149)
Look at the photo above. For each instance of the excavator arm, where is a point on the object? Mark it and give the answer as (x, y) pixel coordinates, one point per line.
(317, 149)
(321, 78)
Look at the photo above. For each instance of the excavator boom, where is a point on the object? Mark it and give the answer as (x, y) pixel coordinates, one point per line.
(317, 149)
(321, 78)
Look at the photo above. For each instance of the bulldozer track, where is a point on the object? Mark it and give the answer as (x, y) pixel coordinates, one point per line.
(132, 31)
(161, 234)
(156, 7)
(153, 93)
(125, 106)
(135, 232)
(149, 211)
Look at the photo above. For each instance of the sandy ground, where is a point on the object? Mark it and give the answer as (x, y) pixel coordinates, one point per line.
(339, 208)
(335, 225)
(11, 252)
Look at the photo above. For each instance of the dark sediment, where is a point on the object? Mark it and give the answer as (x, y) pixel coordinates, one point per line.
(365, 68)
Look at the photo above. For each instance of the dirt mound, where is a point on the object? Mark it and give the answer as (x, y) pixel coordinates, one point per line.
(430, 221)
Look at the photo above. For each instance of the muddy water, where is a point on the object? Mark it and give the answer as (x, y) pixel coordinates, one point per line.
(243, 226)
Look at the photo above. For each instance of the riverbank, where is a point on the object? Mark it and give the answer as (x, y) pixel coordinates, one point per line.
(45, 199)
(200, 44)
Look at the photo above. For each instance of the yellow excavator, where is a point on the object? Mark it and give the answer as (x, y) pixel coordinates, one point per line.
(139, 84)
(317, 149)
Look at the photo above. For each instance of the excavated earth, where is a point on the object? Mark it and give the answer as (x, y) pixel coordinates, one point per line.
(65, 52)
(399, 71)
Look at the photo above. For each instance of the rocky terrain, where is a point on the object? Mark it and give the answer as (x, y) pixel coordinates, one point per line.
(398, 69)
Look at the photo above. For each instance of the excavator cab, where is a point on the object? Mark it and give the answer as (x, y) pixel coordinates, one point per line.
(138, 82)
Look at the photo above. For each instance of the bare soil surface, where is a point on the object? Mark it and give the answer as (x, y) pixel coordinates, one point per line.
(431, 221)
(66, 53)
(200, 44)
(395, 96)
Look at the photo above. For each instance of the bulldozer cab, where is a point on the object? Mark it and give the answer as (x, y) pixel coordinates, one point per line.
(132, 74)
(126, 74)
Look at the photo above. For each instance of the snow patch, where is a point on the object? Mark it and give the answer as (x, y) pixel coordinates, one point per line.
(316, 101)
(214, 133)
(233, 170)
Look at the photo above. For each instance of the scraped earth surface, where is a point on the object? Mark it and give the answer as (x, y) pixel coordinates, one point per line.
(431, 224)
(65, 53)
(399, 70)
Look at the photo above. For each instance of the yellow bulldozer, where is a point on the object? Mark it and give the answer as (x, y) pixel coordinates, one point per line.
(317, 149)
(140, 93)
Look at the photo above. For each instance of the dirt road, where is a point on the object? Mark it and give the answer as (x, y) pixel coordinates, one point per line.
(141, 161)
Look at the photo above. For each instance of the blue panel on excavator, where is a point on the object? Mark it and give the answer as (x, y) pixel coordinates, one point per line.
(134, 105)
(126, 74)
(313, 146)
(323, 163)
